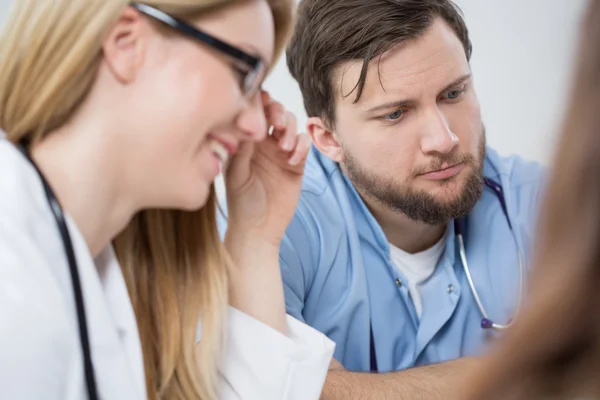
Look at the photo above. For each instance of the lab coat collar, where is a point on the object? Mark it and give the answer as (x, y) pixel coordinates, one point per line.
(124, 319)
(112, 328)
(115, 343)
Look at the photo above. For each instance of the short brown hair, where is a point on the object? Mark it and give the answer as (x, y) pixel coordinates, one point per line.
(330, 32)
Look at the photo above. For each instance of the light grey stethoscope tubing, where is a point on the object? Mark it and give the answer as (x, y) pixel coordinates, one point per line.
(465, 264)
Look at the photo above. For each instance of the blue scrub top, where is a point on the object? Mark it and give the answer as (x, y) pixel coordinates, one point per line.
(338, 276)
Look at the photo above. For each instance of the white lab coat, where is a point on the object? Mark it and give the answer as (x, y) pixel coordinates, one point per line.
(40, 353)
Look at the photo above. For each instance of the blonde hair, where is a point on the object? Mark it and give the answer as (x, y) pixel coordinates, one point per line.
(173, 261)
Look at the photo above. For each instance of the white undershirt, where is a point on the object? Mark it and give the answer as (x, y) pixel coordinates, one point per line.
(417, 268)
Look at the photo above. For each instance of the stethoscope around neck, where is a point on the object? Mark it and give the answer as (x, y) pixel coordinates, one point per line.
(59, 217)
(486, 322)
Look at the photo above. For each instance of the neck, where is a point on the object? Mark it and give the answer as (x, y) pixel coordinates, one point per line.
(404, 233)
(81, 171)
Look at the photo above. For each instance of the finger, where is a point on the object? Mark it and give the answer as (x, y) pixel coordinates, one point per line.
(301, 151)
(276, 115)
(287, 137)
(240, 162)
(265, 97)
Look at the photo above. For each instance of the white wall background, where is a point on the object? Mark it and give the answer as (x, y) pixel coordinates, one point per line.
(521, 61)
(4, 6)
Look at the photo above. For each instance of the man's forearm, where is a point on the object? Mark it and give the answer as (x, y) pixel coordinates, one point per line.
(432, 382)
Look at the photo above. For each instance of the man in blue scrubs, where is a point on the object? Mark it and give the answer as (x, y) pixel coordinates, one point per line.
(372, 256)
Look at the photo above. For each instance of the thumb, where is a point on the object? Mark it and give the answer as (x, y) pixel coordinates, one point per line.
(238, 170)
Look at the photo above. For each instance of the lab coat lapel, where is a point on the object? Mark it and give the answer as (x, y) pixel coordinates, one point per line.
(115, 348)
(122, 312)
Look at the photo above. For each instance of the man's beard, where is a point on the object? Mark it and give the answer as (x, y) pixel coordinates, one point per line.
(419, 205)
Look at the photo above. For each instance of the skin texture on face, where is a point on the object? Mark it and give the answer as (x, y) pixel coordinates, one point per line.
(414, 143)
(183, 98)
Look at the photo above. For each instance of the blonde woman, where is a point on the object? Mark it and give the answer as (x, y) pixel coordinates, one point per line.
(118, 116)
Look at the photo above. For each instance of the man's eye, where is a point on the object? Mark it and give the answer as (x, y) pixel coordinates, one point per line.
(455, 94)
(395, 116)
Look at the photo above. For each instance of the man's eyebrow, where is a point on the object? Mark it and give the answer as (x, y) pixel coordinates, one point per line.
(458, 81)
(396, 104)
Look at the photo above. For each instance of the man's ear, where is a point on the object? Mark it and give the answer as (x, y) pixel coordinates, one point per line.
(123, 48)
(324, 139)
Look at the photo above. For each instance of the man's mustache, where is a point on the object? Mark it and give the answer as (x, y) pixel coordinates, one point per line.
(444, 161)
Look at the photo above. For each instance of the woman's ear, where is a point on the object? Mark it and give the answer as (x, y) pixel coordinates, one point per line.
(124, 46)
(324, 139)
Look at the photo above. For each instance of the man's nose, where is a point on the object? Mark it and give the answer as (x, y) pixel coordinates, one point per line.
(437, 135)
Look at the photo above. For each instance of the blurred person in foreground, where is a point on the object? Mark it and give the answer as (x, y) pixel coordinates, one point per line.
(553, 350)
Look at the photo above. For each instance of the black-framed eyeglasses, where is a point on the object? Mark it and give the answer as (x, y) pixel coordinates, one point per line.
(254, 68)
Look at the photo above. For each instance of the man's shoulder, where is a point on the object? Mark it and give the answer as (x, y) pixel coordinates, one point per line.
(319, 173)
(523, 183)
(514, 170)
(320, 218)
(322, 187)
(314, 238)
